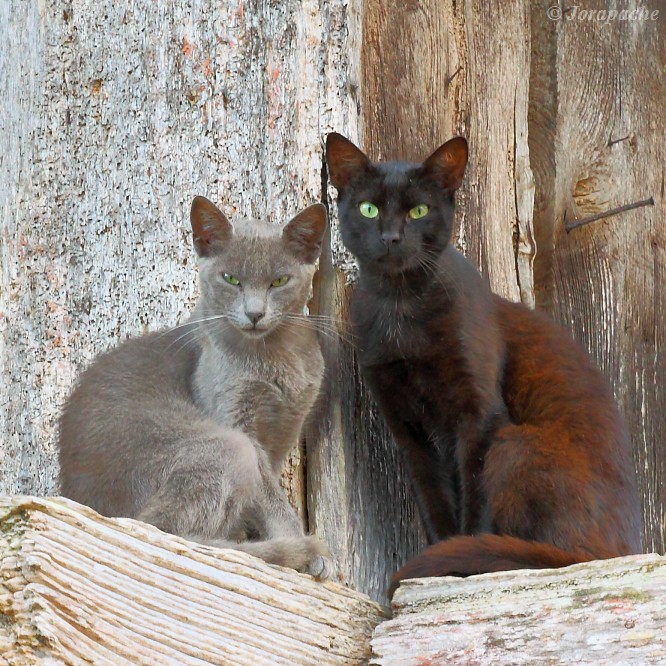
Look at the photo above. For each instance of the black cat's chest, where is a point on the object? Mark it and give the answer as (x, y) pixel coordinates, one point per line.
(431, 361)
(393, 327)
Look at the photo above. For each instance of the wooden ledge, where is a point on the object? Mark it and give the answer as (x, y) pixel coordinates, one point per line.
(77, 588)
(603, 612)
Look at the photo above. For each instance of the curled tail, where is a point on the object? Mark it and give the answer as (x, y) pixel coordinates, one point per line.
(470, 555)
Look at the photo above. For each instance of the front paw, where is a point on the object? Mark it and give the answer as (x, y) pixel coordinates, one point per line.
(321, 567)
(318, 562)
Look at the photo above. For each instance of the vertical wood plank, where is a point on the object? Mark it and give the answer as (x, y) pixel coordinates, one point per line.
(499, 193)
(597, 142)
(449, 76)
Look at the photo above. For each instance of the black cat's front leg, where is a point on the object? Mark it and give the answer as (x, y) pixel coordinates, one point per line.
(474, 436)
(434, 483)
(432, 474)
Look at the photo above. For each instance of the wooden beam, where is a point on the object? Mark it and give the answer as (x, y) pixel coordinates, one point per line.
(610, 612)
(77, 588)
(597, 94)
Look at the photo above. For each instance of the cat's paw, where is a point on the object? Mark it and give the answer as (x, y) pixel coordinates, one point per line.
(317, 561)
(321, 567)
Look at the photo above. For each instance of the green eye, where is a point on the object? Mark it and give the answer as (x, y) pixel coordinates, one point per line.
(418, 212)
(230, 279)
(280, 282)
(368, 209)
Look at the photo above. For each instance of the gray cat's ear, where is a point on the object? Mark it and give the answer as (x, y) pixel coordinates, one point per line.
(447, 164)
(305, 233)
(211, 230)
(345, 161)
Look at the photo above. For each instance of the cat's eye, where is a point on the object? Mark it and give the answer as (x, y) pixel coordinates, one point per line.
(281, 281)
(230, 279)
(418, 212)
(368, 209)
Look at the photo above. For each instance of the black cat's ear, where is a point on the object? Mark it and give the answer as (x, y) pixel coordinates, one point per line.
(447, 164)
(305, 233)
(345, 161)
(210, 228)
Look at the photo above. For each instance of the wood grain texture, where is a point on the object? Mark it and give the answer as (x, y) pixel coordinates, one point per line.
(452, 77)
(608, 612)
(500, 187)
(76, 588)
(358, 496)
(118, 117)
(460, 70)
(597, 142)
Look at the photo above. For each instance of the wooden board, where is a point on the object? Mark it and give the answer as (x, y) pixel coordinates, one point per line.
(596, 140)
(76, 588)
(607, 612)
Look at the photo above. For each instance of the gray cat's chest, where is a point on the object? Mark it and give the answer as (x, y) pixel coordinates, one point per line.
(268, 401)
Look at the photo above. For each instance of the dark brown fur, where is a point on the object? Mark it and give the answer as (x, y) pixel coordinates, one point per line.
(511, 435)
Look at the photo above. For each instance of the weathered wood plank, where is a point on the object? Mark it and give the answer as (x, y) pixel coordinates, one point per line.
(358, 497)
(596, 142)
(77, 588)
(605, 612)
(115, 119)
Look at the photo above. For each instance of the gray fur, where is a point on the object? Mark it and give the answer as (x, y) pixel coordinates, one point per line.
(187, 429)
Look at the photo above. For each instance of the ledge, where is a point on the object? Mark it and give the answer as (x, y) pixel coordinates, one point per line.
(603, 612)
(77, 588)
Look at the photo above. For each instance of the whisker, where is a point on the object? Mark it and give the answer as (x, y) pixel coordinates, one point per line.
(192, 322)
(321, 327)
(430, 265)
(196, 334)
(218, 327)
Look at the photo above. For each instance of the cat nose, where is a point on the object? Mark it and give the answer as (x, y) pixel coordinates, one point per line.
(254, 317)
(391, 237)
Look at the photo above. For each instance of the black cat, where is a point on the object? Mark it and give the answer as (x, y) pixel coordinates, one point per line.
(517, 451)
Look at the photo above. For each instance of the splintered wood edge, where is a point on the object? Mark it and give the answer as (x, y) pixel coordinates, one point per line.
(612, 610)
(417, 594)
(74, 585)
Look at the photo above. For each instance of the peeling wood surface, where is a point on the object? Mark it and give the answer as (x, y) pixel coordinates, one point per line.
(605, 612)
(76, 588)
(596, 141)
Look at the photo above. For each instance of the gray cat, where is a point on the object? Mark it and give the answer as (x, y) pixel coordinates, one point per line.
(188, 429)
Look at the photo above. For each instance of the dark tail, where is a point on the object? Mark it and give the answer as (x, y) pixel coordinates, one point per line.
(470, 555)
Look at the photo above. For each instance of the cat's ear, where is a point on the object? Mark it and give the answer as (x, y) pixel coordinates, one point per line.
(305, 233)
(447, 164)
(210, 228)
(345, 161)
